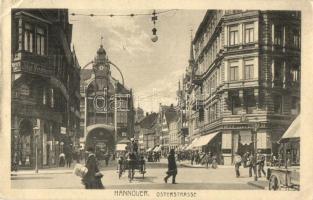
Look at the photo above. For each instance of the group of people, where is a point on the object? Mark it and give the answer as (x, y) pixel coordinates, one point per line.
(153, 156)
(255, 163)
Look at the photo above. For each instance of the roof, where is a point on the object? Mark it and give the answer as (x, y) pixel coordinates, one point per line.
(85, 74)
(149, 121)
(171, 116)
(293, 132)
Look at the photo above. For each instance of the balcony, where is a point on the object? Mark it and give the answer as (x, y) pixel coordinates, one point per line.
(33, 64)
(197, 79)
(198, 103)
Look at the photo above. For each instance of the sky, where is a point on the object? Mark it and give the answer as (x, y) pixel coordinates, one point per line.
(152, 70)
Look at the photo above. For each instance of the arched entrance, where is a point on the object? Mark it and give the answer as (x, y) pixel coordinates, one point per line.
(25, 143)
(101, 139)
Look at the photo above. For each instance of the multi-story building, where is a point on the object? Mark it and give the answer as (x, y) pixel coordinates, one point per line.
(243, 78)
(107, 111)
(173, 130)
(45, 87)
(148, 137)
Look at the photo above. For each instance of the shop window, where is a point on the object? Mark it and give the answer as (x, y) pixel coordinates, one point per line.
(278, 103)
(40, 41)
(233, 71)
(233, 35)
(28, 38)
(249, 33)
(249, 69)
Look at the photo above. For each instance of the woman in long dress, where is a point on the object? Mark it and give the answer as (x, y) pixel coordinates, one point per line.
(92, 180)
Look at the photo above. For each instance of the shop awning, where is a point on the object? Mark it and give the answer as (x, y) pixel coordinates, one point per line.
(149, 149)
(191, 145)
(121, 147)
(204, 140)
(156, 149)
(293, 132)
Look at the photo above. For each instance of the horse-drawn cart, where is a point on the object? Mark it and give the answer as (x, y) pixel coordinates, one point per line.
(132, 164)
(287, 176)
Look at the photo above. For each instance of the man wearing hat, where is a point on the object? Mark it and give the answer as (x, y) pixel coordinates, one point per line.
(172, 167)
(261, 162)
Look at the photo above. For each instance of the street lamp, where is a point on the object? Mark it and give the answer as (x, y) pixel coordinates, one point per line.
(36, 134)
(254, 130)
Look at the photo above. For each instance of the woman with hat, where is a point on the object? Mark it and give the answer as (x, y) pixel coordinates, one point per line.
(172, 167)
(92, 180)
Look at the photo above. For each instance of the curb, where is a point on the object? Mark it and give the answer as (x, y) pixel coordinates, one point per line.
(257, 185)
(40, 173)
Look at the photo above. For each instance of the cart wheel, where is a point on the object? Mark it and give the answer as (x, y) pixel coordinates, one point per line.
(273, 183)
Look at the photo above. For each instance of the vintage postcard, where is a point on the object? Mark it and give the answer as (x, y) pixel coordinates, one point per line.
(138, 101)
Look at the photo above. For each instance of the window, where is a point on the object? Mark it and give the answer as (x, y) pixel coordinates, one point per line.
(44, 96)
(296, 38)
(278, 71)
(294, 74)
(233, 35)
(234, 100)
(40, 41)
(249, 33)
(249, 100)
(233, 71)
(28, 38)
(277, 100)
(24, 90)
(278, 35)
(248, 73)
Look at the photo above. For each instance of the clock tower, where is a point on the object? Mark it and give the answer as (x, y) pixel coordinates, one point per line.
(101, 68)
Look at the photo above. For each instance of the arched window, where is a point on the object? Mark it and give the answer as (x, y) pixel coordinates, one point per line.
(24, 90)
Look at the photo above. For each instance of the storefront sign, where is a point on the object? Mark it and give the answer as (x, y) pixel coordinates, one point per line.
(63, 130)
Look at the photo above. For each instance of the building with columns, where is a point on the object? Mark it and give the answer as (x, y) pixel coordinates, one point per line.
(45, 87)
(243, 81)
(107, 111)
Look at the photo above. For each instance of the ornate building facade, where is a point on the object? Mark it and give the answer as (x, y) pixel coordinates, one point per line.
(45, 87)
(107, 111)
(242, 84)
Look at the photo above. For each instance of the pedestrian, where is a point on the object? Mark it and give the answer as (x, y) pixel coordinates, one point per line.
(245, 159)
(69, 158)
(172, 167)
(214, 161)
(261, 162)
(92, 180)
(107, 158)
(192, 157)
(206, 159)
(253, 165)
(237, 162)
(62, 159)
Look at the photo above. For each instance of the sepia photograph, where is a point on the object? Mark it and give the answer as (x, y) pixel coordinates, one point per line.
(156, 100)
(167, 99)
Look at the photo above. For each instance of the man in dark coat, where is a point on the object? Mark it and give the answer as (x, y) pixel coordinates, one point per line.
(91, 180)
(261, 162)
(172, 167)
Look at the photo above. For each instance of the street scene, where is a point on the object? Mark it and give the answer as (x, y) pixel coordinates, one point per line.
(155, 99)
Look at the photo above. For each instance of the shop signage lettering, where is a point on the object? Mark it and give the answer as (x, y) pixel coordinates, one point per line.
(31, 68)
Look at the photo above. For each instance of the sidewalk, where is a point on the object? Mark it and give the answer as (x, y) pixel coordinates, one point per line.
(60, 170)
(262, 184)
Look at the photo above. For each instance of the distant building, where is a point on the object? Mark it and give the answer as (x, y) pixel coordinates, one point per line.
(107, 112)
(45, 87)
(243, 76)
(140, 114)
(148, 132)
